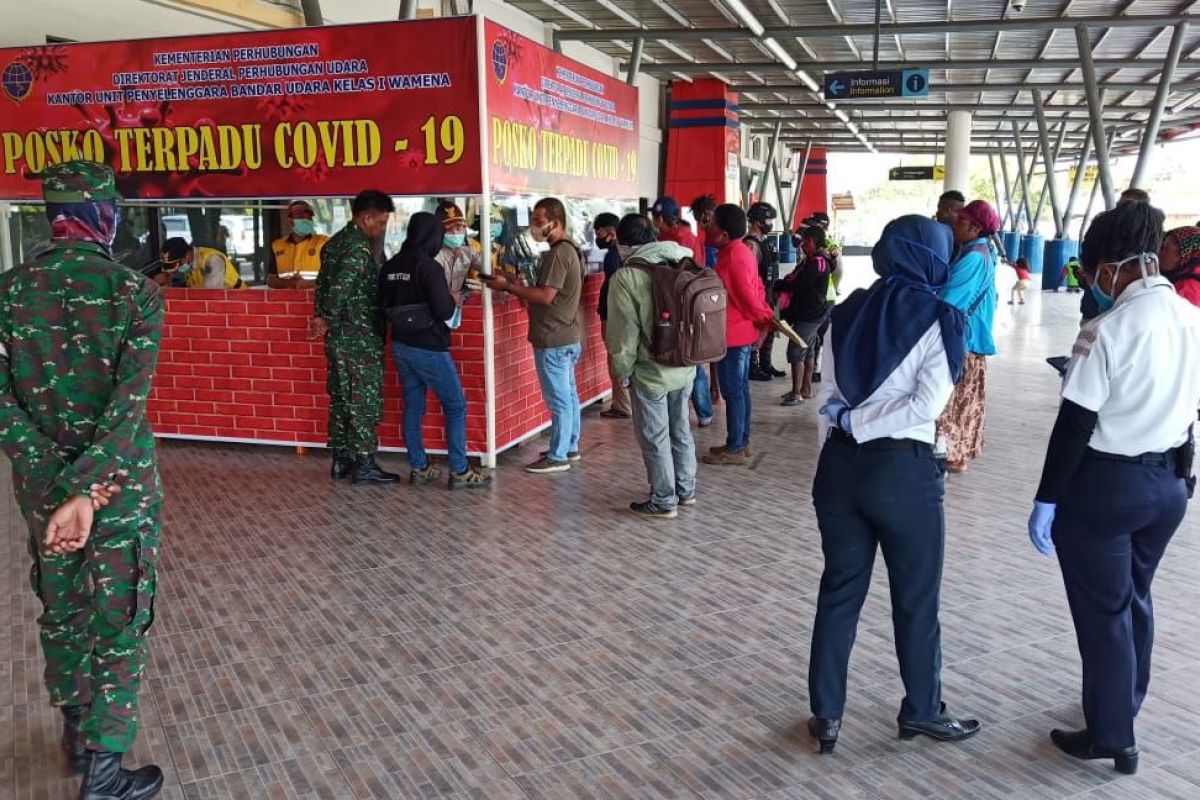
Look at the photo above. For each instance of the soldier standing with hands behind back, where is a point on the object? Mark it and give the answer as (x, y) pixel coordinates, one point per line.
(78, 345)
(348, 318)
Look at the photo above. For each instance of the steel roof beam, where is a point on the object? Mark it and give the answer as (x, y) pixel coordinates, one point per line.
(892, 28)
(851, 66)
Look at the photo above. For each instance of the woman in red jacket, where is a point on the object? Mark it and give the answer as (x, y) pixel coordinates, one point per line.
(1179, 261)
(747, 315)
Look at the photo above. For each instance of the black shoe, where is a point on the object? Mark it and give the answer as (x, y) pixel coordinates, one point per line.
(825, 731)
(650, 510)
(72, 743)
(367, 471)
(343, 465)
(776, 373)
(106, 779)
(1078, 744)
(945, 728)
(760, 375)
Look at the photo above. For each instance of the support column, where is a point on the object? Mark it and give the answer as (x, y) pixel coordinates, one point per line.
(408, 9)
(813, 193)
(1049, 159)
(761, 189)
(1095, 104)
(312, 12)
(958, 151)
(1029, 220)
(703, 142)
(1150, 137)
(1014, 212)
(1077, 184)
(801, 169)
(635, 61)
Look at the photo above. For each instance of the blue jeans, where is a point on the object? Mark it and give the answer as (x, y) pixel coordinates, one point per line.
(556, 374)
(733, 371)
(702, 395)
(421, 370)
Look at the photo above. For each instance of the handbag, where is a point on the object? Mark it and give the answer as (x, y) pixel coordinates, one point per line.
(412, 319)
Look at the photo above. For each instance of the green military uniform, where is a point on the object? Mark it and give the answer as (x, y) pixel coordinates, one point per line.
(78, 344)
(347, 287)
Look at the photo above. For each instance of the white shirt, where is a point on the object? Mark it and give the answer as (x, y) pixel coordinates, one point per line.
(1138, 366)
(908, 402)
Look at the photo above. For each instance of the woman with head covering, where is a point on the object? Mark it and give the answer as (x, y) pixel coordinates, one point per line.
(972, 290)
(418, 303)
(1115, 483)
(1179, 261)
(893, 355)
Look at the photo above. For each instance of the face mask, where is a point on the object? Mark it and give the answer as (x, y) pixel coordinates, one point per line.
(604, 244)
(497, 229)
(541, 234)
(1102, 298)
(304, 227)
(454, 240)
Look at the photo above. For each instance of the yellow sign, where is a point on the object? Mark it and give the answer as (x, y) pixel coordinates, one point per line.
(1091, 174)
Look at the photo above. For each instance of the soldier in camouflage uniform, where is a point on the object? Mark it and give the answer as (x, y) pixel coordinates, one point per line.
(347, 315)
(78, 344)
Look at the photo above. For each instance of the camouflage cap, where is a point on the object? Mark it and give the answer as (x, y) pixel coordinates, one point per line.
(79, 182)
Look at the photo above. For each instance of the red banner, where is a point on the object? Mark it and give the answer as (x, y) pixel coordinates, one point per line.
(556, 126)
(310, 112)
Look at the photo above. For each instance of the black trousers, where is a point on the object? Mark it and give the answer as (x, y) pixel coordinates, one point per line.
(1110, 532)
(889, 499)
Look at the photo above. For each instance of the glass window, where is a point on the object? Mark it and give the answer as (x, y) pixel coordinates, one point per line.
(30, 232)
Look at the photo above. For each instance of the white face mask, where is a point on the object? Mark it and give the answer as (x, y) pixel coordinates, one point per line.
(543, 233)
(1144, 259)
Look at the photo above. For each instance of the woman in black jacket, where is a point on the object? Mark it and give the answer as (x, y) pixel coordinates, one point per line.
(418, 303)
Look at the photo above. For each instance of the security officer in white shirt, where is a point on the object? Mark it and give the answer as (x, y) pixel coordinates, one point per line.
(892, 359)
(1118, 471)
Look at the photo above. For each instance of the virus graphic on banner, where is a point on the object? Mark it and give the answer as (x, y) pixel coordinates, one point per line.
(45, 62)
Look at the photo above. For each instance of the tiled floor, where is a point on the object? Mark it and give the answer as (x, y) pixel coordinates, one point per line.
(319, 641)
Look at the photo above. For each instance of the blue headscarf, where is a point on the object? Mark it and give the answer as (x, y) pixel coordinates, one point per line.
(876, 328)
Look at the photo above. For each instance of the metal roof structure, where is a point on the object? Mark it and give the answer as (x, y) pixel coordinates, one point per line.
(985, 56)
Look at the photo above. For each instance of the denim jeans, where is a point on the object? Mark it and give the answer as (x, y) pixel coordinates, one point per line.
(702, 394)
(556, 374)
(664, 433)
(733, 371)
(421, 370)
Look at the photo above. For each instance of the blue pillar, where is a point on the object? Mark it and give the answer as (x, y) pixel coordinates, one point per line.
(1057, 253)
(1033, 249)
(1012, 244)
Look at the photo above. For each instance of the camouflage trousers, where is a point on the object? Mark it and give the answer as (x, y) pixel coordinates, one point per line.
(97, 605)
(355, 386)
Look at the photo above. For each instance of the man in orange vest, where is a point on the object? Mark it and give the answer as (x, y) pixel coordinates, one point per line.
(297, 256)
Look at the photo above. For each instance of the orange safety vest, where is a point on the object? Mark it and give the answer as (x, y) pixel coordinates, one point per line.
(302, 257)
(195, 276)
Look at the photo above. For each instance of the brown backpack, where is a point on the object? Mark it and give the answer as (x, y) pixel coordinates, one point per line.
(689, 312)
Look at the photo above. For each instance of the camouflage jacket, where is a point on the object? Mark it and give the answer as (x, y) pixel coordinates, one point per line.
(78, 345)
(347, 285)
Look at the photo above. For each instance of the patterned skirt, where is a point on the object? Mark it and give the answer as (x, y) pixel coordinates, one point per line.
(962, 421)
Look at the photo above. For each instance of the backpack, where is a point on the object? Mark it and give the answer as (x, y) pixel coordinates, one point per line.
(767, 256)
(689, 313)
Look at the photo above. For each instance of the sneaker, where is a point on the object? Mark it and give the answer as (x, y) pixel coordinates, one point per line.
(421, 477)
(790, 399)
(717, 450)
(471, 479)
(572, 456)
(727, 459)
(687, 502)
(615, 413)
(650, 510)
(545, 465)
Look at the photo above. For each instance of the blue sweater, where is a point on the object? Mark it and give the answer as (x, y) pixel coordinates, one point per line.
(972, 284)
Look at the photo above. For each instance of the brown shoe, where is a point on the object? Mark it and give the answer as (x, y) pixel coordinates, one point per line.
(956, 467)
(717, 450)
(615, 413)
(727, 459)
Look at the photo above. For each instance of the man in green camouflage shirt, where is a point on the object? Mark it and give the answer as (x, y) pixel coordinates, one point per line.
(78, 344)
(348, 317)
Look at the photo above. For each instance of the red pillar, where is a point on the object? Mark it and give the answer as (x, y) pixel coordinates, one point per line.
(814, 194)
(703, 142)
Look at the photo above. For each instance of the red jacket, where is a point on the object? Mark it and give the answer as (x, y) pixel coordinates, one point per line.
(1187, 286)
(682, 234)
(738, 270)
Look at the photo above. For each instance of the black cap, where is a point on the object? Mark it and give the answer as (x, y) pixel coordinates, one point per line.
(761, 212)
(175, 249)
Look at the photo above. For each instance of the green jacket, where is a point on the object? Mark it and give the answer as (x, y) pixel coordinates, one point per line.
(631, 320)
(78, 346)
(347, 285)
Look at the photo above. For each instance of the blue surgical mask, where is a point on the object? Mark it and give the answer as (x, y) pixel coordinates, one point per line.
(497, 229)
(1103, 299)
(303, 227)
(454, 240)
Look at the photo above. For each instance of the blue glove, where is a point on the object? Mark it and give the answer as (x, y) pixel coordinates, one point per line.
(833, 411)
(1041, 521)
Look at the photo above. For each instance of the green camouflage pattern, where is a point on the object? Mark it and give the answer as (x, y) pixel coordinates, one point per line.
(346, 298)
(79, 335)
(79, 182)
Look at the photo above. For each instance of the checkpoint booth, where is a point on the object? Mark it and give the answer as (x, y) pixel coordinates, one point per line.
(211, 136)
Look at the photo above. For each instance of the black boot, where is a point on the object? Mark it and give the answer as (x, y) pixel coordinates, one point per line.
(367, 471)
(343, 465)
(825, 731)
(106, 779)
(72, 743)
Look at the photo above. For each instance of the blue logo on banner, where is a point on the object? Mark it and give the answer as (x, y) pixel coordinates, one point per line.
(499, 61)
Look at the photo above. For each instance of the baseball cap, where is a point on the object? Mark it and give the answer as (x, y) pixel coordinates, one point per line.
(175, 249)
(666, 207)
(299, 207)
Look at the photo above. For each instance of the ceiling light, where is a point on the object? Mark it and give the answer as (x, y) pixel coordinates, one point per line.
(743, 13)
(777, 50)
(807, 80)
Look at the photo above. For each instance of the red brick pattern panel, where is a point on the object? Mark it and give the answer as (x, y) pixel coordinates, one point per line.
(238, 366)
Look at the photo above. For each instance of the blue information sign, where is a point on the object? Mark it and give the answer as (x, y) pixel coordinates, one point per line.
(860, 85)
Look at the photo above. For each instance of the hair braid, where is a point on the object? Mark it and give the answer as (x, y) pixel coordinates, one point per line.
(1125, 231)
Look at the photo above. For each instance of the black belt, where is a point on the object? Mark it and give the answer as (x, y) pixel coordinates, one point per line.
(1166, 459)
(839, 435)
